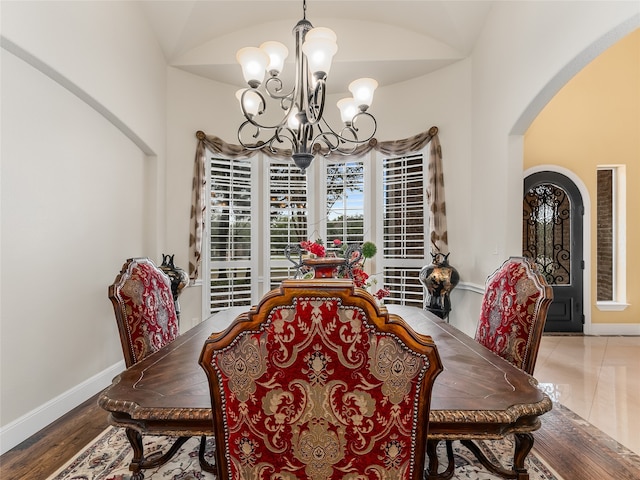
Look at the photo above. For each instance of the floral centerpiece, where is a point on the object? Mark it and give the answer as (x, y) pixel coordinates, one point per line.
(353, 264)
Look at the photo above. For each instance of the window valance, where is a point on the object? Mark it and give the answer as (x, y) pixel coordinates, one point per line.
(435, 189)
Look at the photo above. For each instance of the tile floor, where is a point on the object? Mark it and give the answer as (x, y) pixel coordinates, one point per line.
(596, 377)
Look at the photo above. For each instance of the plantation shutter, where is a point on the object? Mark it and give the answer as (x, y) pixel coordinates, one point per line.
(231, 220)
(404, 228)
(287, 218)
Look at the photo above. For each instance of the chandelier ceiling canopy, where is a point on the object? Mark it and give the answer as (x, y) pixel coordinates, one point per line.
(294, 117)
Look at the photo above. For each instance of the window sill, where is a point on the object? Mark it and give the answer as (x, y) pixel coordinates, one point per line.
(611, 306)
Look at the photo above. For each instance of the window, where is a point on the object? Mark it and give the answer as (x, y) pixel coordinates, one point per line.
(257, 207)
(287, 216)
(404, 227)
(610, 238)
(345, 201)
(230, 263)
(604, 236)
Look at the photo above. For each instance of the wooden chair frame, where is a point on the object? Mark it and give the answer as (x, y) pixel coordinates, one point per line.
(348, 295)
(119, 306)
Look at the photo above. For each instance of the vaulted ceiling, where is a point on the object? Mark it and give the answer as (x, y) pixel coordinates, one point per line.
(389, 40)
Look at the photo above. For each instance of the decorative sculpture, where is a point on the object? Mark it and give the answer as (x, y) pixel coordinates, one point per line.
(179, 279)
(439, 278)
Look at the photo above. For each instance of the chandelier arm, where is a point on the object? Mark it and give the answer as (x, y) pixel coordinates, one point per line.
(315, 106)
(273, 86)
(349, 133)
(241, 129)
(287, 134)
(365, 115)
(276, 136)
(252, 118)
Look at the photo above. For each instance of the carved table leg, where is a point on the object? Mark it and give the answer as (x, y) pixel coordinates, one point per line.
(206, 466)
(135, 439)
(432, 473)
(139, 462)
(524, 444)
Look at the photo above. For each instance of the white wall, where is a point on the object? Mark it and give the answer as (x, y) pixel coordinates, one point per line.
(523, 48)
(526, 52)
(83, 127)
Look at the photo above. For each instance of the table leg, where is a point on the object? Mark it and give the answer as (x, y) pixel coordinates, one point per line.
(432, 472)
(206, 466)
(139, 462)
(524, 444)
(135, 439)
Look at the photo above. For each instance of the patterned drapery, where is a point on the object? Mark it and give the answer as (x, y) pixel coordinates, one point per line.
(435, 189)
(436, 200)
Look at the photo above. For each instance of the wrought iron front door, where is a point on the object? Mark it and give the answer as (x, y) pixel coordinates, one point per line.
(552, 235)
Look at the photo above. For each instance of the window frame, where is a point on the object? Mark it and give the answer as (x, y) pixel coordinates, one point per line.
(373, 223)
(619, 242)
(207, 262)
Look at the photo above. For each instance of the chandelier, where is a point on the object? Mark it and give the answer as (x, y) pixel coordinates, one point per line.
(297, 117)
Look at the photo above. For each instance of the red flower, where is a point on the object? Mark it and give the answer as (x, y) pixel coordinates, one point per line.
(360, 277)
(380, 294)
(314, 248)
(337, 242)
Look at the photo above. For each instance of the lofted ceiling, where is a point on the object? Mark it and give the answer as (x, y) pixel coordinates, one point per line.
(389, 40)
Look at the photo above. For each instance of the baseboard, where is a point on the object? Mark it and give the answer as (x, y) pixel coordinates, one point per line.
(471, 287)
(22, 428)
(628, 329)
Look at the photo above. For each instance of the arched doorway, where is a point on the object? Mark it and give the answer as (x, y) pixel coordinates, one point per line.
(552, 228)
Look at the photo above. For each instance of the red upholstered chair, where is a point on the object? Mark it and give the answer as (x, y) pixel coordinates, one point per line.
(144, 307)
(514, 311)
(512, 317)
(317, 382)
(147, 321)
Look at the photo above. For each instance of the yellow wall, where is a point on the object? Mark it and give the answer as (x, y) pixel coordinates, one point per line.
(595, 120)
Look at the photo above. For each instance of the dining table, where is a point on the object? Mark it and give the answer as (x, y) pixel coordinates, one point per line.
(478, 395)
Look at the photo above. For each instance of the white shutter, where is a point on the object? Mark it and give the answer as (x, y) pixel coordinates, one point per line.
(404, 228)
(231, 220)
(288, 216)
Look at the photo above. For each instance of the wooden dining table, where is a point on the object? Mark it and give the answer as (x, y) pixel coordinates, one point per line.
(477, 396)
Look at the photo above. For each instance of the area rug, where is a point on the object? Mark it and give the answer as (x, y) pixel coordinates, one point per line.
(109, 455)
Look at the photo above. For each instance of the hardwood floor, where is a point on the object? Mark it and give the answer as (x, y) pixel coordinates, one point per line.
(571, 446)
(43, 453)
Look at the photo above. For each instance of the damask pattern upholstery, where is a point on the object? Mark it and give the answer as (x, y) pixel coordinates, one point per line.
(514, 311)
(315, 390)
(144, 308)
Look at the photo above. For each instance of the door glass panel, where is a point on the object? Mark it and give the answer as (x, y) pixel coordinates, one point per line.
(546, 232)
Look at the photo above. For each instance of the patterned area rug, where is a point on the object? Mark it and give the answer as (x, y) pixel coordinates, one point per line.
(109, 455)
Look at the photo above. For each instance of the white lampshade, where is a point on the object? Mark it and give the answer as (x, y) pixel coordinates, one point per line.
(277, 53)
(348, 108)
(292, 120)
(321, 32)
(319, 48)
(254, 63)
(362, 91)
(251, 101)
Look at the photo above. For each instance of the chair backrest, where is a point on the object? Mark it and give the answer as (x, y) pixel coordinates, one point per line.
(317, 382)
(514, 311)
(144, 308)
